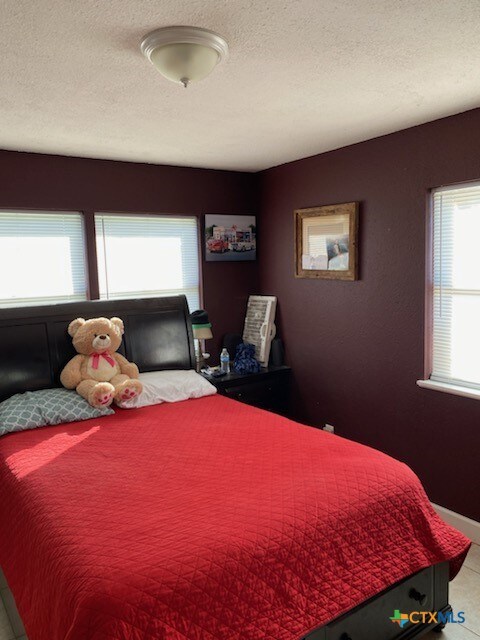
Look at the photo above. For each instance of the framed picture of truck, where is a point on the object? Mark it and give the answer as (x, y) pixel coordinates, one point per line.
(230, 238)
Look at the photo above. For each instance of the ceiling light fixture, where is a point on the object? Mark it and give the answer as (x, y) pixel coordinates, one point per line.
(184, 54)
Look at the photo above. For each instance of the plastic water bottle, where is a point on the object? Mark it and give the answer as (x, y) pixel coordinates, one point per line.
(225, 361)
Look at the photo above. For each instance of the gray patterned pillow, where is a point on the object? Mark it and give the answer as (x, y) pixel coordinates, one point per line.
(41, 408)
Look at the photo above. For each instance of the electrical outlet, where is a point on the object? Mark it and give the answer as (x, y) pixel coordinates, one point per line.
(329, 427)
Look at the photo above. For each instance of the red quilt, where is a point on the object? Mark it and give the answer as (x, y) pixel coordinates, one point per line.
(204, 520)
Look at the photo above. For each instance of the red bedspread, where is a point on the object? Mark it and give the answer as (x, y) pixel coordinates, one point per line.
(204, 520)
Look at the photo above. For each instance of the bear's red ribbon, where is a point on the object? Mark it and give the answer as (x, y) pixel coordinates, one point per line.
(96, 359)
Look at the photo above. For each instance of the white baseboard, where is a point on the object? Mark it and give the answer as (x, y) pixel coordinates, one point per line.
(471, 528)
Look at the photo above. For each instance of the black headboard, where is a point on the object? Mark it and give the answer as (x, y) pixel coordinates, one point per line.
(35, 345)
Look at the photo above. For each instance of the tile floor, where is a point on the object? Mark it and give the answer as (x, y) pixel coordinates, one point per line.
(464, 596)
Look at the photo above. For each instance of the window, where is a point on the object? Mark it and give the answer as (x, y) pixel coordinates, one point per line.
(44, 255)
(42, 258)
(456, 286)
(142, 256)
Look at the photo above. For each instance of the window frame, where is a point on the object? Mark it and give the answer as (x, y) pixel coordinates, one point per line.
(90, 246)
(427, 383)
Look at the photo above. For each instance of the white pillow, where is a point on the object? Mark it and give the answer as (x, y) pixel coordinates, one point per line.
(169, 386)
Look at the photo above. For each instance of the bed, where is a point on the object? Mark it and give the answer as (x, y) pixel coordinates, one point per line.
(205, 519)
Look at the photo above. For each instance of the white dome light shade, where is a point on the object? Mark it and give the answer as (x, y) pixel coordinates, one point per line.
(184, 54)
(184, 62)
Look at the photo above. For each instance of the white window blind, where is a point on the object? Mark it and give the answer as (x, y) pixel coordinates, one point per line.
(42, 258)
(142, 256)
(456, 280)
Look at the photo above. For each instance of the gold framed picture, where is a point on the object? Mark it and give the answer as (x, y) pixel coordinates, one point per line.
(326, 242)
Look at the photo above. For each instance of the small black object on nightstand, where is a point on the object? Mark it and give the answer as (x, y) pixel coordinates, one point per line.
(268, 389)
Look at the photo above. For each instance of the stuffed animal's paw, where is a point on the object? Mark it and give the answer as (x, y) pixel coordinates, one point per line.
(101, 395)
(128, 390)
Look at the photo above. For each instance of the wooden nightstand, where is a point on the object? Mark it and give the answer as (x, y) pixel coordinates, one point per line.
(268, 389)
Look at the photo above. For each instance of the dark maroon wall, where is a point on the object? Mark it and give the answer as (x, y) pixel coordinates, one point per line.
(56, 182)
(357, 348)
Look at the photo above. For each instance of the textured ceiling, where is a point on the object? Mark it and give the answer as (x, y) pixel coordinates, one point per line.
(303, 76)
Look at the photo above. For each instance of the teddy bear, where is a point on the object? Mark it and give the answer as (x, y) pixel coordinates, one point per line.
(97, 372)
